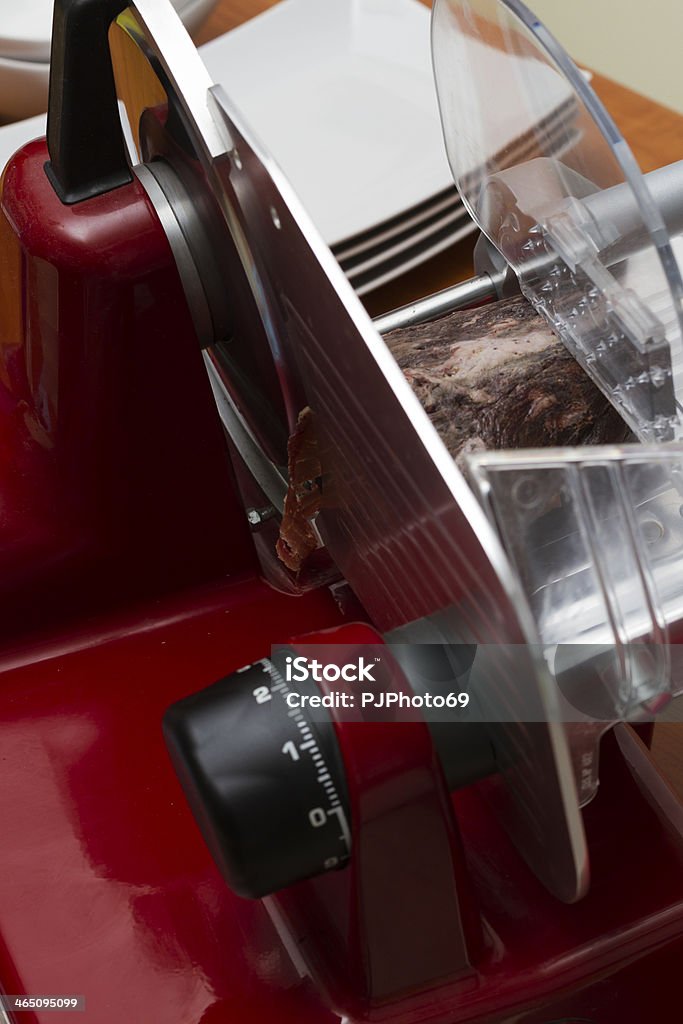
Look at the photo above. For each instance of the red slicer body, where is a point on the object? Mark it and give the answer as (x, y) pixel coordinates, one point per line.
(112, 459)
(130, 580)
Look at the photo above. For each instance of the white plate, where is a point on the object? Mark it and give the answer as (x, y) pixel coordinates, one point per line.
(14, 136)
(385, 233)
(25, 29)
(372, 268)
(418, 227)
(342, 94)
(25, 51)
(26, 26)
(23, 88)
(415, 237)
(432, 246)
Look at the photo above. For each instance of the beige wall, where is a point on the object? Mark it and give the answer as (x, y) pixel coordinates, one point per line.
(637, 42)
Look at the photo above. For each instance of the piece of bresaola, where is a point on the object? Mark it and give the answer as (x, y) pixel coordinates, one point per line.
(490, 378)
(297, 538)
(497, 377)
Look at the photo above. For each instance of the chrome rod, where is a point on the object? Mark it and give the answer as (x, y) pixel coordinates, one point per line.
(616, 205)
(458, 296)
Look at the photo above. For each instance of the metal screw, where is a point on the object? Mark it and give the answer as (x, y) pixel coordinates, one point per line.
(258, 516)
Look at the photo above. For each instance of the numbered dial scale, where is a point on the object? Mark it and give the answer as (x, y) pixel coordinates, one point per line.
(265, 782)
(259, 760)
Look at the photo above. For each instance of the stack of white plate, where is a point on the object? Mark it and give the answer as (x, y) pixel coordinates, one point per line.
(342, 94)
(25, 30)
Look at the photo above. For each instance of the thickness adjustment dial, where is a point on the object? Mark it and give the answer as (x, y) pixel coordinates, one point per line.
(264, 780)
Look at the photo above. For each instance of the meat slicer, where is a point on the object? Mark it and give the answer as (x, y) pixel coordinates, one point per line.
(212, 469)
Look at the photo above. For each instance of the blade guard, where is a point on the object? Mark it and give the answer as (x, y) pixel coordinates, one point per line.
(545, 173)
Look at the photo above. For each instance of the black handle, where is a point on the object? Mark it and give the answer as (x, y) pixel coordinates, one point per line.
(84, 136)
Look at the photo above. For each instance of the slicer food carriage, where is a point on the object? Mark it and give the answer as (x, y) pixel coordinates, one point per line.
(521, 862)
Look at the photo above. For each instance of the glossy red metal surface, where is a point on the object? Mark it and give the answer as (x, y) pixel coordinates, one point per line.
(376, 955)
(383, 939)
(106, 887)
(113, 468)
(116, 498)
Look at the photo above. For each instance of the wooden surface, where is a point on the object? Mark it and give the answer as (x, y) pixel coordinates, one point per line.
(656, 136)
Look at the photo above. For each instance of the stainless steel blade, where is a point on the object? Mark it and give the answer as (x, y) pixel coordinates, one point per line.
(400, 521)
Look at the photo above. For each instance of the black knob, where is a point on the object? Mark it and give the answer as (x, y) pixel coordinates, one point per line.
(258, 758)
(264, 780)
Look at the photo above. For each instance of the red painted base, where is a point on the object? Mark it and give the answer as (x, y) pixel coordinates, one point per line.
(107, 889)
(127, 581)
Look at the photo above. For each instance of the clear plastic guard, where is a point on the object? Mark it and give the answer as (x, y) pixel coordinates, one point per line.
(596, 537)
(545, 173)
